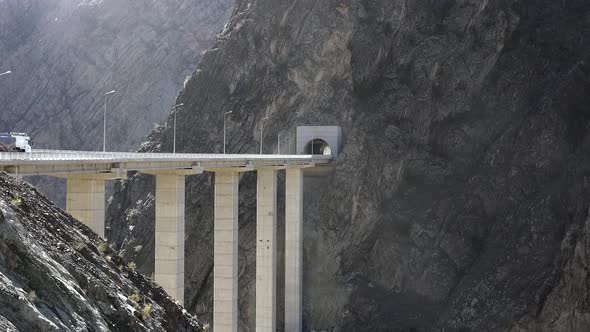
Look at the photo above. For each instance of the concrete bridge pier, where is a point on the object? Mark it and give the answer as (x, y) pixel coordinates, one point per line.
(293, 248)
(85, 197)
(225, 252)
(266, 258)
(169, 245)
(86, 201)
(169, 230)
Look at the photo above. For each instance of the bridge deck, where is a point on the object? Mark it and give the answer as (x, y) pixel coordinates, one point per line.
(49, 162)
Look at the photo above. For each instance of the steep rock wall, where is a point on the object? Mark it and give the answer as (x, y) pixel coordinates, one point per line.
(460, 199)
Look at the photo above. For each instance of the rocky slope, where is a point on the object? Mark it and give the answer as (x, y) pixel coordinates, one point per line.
(57, 275)
(460, 201)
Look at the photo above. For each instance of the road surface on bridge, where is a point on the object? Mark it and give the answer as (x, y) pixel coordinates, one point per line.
(55, 162)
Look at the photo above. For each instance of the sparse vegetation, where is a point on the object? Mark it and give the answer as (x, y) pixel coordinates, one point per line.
(207, 327)
(102, 247)
(132, 266)
(78, 245)
(135, 297)
(32, 296)
(146, 311)
(16, 200)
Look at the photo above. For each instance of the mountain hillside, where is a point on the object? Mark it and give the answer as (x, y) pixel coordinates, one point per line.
(57, 275)
(66, 54)
(460, 200)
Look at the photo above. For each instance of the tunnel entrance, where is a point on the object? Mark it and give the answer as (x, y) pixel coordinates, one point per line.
(318, 146)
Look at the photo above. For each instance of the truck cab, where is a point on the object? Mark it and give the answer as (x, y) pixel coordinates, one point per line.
(15, 142)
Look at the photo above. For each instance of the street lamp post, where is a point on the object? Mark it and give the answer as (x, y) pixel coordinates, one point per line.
(174, 138)
(261, 132)
(104, 121)
(279, 144)
(6, 73)
(224, 116)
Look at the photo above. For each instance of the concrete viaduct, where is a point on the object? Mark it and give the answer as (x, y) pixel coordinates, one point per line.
(86, 173)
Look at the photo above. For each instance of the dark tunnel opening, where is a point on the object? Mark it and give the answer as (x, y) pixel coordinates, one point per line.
(318, 146)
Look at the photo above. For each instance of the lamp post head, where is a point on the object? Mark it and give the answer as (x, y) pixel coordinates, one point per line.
(110, 92)
(6, 73)
(230, 112)
(179, 105)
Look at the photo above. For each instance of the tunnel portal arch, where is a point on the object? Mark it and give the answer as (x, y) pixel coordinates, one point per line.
(324, 140)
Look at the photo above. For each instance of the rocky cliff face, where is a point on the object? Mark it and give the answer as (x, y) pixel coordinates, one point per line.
(57, 275)
(460, 200)
(65, 54)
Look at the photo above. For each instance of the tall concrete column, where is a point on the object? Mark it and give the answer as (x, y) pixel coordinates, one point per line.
(266, 220)
(85, 202)
(293, 248)
(170, 234)
(225, 253)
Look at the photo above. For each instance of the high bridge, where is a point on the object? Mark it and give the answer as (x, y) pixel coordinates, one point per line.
(86, 172)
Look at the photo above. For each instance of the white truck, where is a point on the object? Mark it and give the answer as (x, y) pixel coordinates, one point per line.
(15, 142)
